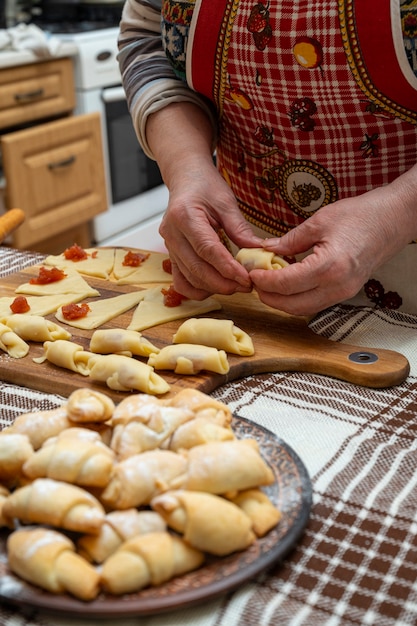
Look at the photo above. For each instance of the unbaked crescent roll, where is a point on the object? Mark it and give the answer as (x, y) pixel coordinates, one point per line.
(121, 341)
(208, 522)
(48, 501)
(77, 456)
(11, 343)
(217, 333)
(145, 560)
(223, 467)
(47, 558)
(258, 258)
(35, 327)
(87, 405)
(139, 478)
(124, 373)
(66, 354)
(189, 359)
(119, 526)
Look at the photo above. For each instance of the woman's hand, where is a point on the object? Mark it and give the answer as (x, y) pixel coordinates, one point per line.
(200, 205)
(346, 242)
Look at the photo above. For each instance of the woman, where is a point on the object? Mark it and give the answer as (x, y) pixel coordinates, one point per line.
(312, 109)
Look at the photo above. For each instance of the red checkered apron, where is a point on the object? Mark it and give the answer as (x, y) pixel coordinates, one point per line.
(317, 100)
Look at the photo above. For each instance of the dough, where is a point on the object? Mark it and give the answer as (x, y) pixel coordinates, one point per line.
(121, 341)
(72, 283)
(99, 262)
(149, 271)
(124, 373)
(188, 359)
(67, 354)
(258, 258)
(220, 334)
(35, 327)
(152, 310)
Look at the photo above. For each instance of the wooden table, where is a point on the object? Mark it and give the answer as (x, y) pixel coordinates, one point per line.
(356, 562)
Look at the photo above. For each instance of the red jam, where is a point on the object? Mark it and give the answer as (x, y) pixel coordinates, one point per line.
(134, 259)
(75, 311)
(75, 253)
(20, 305)
(167, 266)
(46, 276)
(172, 297)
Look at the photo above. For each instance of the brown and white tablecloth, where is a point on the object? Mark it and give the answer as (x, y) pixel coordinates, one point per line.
(357, 560)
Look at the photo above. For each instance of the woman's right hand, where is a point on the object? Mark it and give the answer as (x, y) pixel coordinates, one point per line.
(201, 204)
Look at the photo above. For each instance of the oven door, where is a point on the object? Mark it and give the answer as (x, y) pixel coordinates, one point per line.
(131, 172)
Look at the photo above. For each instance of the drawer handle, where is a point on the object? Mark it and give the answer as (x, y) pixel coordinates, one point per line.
(59, 164)
(29, 95)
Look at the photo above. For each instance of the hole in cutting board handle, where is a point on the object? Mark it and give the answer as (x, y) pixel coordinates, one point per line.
(363, 357)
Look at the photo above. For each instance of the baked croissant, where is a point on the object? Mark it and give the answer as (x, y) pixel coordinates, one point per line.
(145, 560)
(137, 479)
(40, 425)
(202, 405)
(47, 558)
(15, 450)
(196, 432)
(262, 512)
(76, 455)
(207, 522)
(87, 405)
(4, 521)
(225, 467)
(117, 528)
(48, 501)
(148, 430)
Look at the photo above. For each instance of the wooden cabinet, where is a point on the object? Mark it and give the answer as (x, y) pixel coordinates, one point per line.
(53, 161)
(34, 92)
(55, 173)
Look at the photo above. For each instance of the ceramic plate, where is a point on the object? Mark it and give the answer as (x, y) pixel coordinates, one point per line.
(291, 493)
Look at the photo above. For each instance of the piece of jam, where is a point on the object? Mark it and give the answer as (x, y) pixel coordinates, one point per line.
(46, 276)
(134, 259)
(172, 297)
(167, 266)
(75, 311)
(75, 253)
(20, 305)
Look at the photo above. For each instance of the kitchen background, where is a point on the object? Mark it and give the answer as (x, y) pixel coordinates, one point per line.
(135, 194)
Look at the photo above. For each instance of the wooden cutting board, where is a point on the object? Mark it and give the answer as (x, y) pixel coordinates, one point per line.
(282, 343)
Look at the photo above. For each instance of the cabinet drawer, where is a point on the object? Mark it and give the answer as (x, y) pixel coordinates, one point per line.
(35, 92)
(55, 173)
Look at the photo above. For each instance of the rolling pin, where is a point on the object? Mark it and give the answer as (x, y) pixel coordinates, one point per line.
(9, 221)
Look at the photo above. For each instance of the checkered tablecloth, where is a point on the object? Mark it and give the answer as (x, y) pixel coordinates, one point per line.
(357, 560)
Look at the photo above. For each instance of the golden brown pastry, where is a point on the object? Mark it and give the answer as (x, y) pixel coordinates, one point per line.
(208, 522)
(145, 560)
(217, 333)
(47, 558)
(5, 522)
(76, 456)
(87, 405)
(121, 341)
(202, 405)
(224, 467)
(48, 501)
(119, 526)
(189, 359)
(139, 478)
(148, 430)
(258, 258)
(15, 449)
(124, 373)
(196, 432)
(256, 504)
(135, 406)
(40, 425)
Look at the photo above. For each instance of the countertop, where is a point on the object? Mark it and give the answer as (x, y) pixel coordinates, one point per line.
(21, 56)
(356, 561)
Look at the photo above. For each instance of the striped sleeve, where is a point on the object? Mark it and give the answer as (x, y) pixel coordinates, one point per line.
(147, 77)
